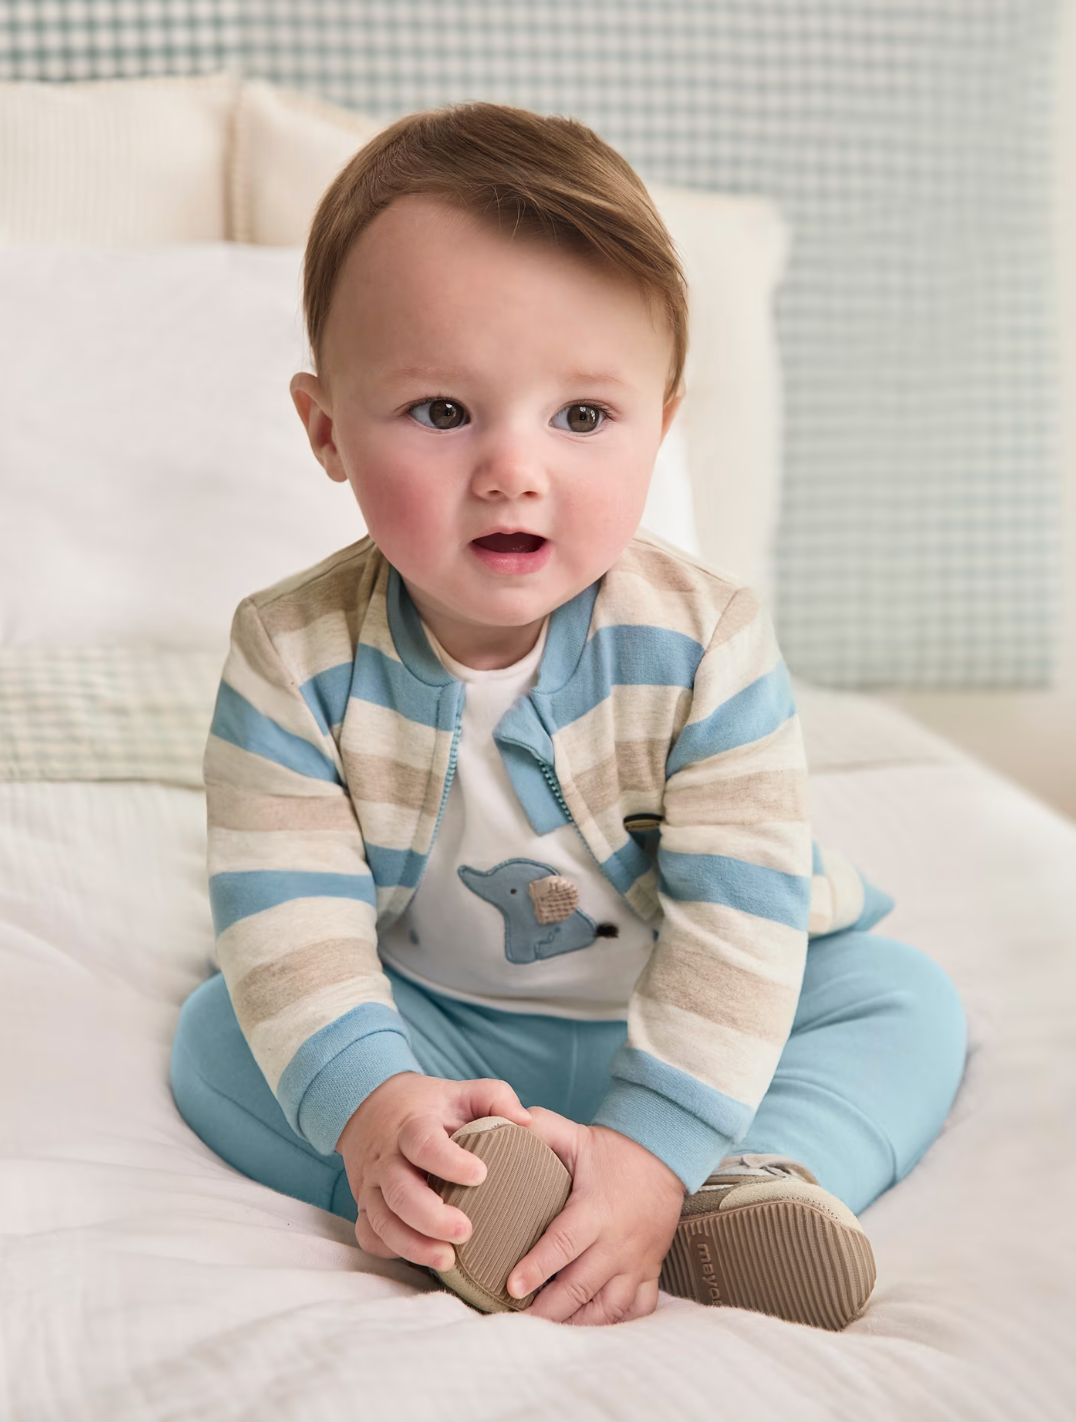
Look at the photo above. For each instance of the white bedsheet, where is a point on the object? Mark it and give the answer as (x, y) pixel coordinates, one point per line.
(143, 1278)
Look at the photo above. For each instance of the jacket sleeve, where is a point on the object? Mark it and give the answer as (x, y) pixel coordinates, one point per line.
(713, 1008)
(292, 896)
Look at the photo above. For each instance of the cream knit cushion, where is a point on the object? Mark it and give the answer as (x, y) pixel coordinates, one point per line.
(288, 148)
(124, 162)
(726, 438)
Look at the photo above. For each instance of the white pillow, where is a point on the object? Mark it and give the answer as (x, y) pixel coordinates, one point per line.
(670, 505)
(153, 470)
(127, 162)
(289, 148)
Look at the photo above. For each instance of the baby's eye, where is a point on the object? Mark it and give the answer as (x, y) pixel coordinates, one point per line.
(583, 419)
(444, 414)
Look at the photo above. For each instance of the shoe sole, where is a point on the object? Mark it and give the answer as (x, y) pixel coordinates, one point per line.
(525, 1188)
(785, 1258)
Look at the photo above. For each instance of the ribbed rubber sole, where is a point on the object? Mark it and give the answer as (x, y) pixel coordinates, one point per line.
(785, 1258)
(525, 1188)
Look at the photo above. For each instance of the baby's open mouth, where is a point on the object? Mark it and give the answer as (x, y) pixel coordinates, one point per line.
(511, 542)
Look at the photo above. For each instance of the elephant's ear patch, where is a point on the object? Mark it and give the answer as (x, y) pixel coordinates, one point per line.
(555, 898)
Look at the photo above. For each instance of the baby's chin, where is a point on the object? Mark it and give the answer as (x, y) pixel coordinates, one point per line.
(474, 597)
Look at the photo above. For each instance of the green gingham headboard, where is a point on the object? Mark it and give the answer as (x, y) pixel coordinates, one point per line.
(910, 147)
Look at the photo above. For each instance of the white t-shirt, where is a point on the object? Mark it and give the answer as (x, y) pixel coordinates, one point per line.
(571, 946)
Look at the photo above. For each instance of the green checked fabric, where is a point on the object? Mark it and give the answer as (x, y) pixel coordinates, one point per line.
(118, 39)
(910, 147)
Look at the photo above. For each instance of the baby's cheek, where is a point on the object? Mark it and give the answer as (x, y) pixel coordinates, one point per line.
(610, 512)
(401, 514)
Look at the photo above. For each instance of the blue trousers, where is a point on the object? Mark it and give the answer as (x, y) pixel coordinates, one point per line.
(865, 1082)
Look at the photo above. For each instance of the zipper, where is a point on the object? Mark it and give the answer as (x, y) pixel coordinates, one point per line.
(453, 750)
(551, 781)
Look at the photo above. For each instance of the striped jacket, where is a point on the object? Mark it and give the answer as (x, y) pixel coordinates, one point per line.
(662, 725)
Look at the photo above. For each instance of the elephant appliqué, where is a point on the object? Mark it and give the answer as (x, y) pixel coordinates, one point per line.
(539, 907)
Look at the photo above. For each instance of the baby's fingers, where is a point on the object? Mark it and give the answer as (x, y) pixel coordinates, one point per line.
(425, 1143)
(487, 1096)
(619, 1301)
(410, 1199)
(369, 1240)
(572, 1294)
(407, 1242)
(566, 1237)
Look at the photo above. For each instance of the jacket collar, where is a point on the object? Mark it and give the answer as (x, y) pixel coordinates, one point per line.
(565, 640)
(524, 734)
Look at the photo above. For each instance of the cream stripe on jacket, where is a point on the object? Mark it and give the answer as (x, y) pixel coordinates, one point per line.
(662, 725)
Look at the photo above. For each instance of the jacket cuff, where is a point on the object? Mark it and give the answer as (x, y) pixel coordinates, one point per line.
(690, 1148)
(335, 1070)
(876, 904)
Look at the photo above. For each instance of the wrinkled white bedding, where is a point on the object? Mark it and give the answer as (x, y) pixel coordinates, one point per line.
(143, 1278)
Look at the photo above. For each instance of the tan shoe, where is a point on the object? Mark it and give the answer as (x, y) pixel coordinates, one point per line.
(525, 1188)
(762, 1234)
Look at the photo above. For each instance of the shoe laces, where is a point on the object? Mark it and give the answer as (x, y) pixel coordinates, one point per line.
(779, 1166)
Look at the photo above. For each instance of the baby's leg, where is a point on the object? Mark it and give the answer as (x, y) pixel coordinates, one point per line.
(864, 1084)
(224, 1098)
(871, 1068)
(222, 1095)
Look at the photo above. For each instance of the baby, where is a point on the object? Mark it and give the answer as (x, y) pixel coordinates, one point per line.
(507, 801)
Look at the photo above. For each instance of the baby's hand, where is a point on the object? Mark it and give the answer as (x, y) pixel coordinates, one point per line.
(396, 1135)
(608, 1243)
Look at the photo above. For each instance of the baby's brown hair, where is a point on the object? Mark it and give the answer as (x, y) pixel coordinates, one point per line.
(561, 183)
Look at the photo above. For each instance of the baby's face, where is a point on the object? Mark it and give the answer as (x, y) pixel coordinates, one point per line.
(475, 388)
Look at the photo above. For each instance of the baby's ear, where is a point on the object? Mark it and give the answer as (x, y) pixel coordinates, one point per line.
(315, 411)
(669, 412)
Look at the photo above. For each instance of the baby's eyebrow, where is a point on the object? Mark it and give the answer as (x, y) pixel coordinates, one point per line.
(420, 372)
(596, 377)
(433, 373)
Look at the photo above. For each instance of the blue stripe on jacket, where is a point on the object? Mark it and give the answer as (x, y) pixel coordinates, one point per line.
(627, 655)
(238, 894)
(235, 720)
(327, 694)
(386, 682)
(752, 888)
(756, 711)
